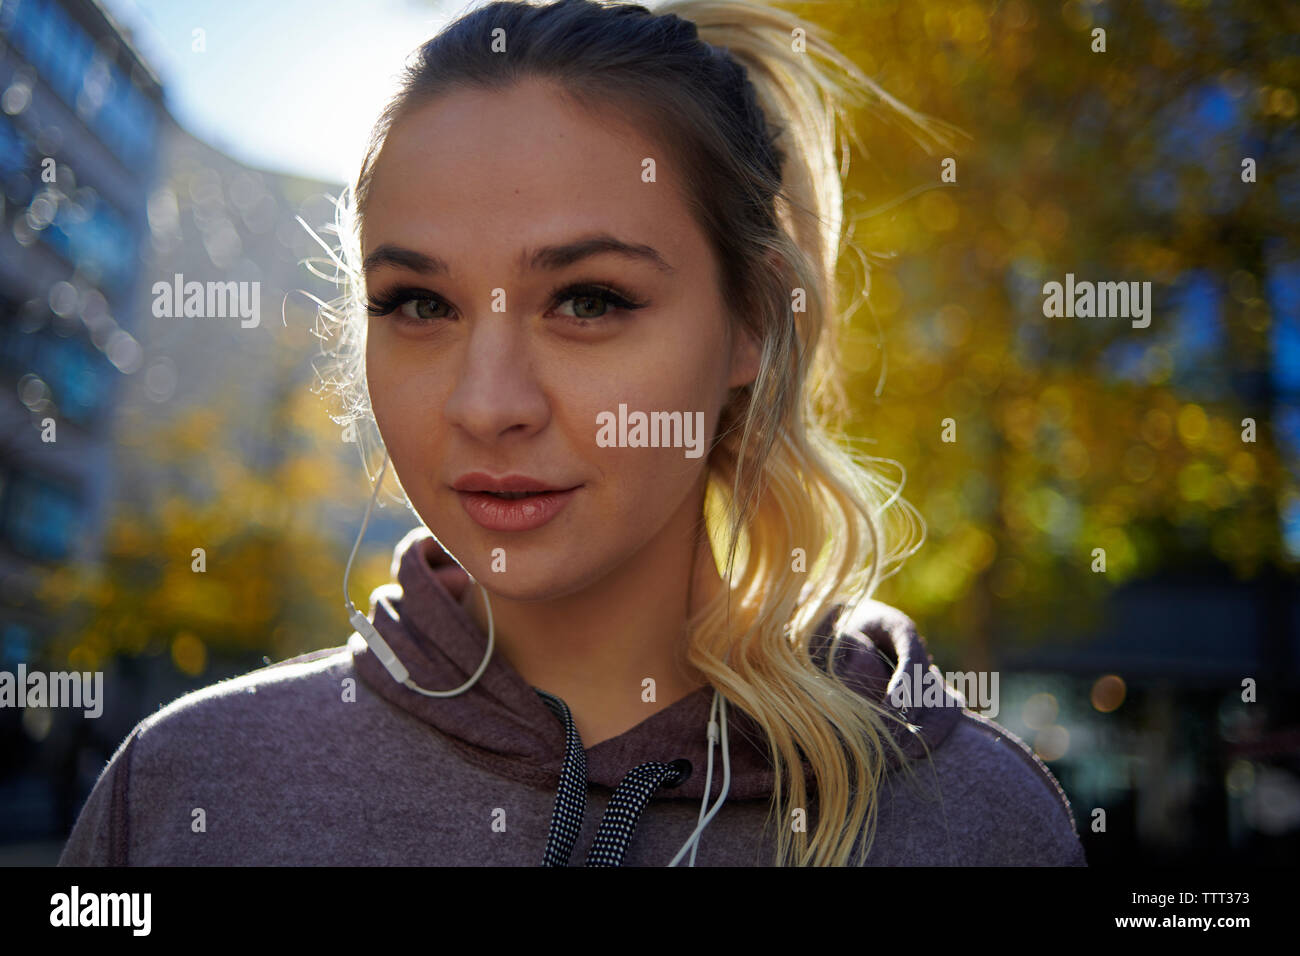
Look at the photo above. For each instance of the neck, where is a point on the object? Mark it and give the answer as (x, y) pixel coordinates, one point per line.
(596, 647)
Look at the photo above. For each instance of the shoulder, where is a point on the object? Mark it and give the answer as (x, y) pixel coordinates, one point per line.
(251, 728)
(269, 709)
(247, 721)
(244, 723)
(271, 693)
(1000, 804)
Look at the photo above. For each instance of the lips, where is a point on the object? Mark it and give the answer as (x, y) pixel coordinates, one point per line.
(511, 485)
(511, 502)
(496, 513)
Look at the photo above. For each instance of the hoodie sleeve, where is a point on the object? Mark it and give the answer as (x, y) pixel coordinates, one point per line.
(99, 837)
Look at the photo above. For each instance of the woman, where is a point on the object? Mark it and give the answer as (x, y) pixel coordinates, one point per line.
(591, 255)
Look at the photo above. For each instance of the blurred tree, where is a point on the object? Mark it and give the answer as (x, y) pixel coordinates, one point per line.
(1074, 434)
(271, 552)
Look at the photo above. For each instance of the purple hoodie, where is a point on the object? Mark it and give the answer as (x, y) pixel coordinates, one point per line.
(326, 760)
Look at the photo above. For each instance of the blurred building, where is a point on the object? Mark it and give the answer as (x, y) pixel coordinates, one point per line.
(80, 114)
(104, 195)
(215, 221)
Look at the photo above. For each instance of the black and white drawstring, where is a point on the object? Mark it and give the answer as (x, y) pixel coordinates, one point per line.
(621, 813)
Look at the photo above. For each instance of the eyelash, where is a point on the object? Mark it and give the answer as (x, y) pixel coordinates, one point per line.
(387, 303)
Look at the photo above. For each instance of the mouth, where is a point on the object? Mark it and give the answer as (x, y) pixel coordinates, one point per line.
(516, 495)
(514, 510)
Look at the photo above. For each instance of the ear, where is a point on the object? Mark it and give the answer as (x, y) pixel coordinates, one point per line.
(746, 350)
(745, 355)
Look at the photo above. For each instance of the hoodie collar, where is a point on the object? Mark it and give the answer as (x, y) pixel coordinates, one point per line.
(502, 724)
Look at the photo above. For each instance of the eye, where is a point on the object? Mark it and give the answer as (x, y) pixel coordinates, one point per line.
(413, 305)
(586, 301)
(417, 308)
(588, 297)
(591, 304)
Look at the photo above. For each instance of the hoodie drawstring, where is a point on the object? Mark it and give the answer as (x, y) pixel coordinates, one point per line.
(623, 810)
(571, 798)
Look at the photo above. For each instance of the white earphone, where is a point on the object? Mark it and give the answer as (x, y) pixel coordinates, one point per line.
(693, 841)
(371, 635)
(397, 669)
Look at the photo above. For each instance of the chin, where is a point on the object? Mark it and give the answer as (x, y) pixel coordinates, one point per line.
(516, 586)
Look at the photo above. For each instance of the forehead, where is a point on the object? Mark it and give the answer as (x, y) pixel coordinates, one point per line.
(518, 166)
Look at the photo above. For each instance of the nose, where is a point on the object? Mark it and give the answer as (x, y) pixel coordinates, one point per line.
(497, 392)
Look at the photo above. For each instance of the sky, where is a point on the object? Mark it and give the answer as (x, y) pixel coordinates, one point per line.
(289, 86)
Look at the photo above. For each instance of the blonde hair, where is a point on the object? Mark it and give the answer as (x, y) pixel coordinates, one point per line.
(748, 97)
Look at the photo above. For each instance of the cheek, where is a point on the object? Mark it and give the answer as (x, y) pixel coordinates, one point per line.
(676, 362)
(643, 479)
(402, 394)
(379, 383)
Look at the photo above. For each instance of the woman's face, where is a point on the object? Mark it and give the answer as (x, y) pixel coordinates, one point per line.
(502, 368)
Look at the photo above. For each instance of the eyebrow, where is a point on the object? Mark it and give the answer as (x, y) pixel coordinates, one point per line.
(547, 257)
